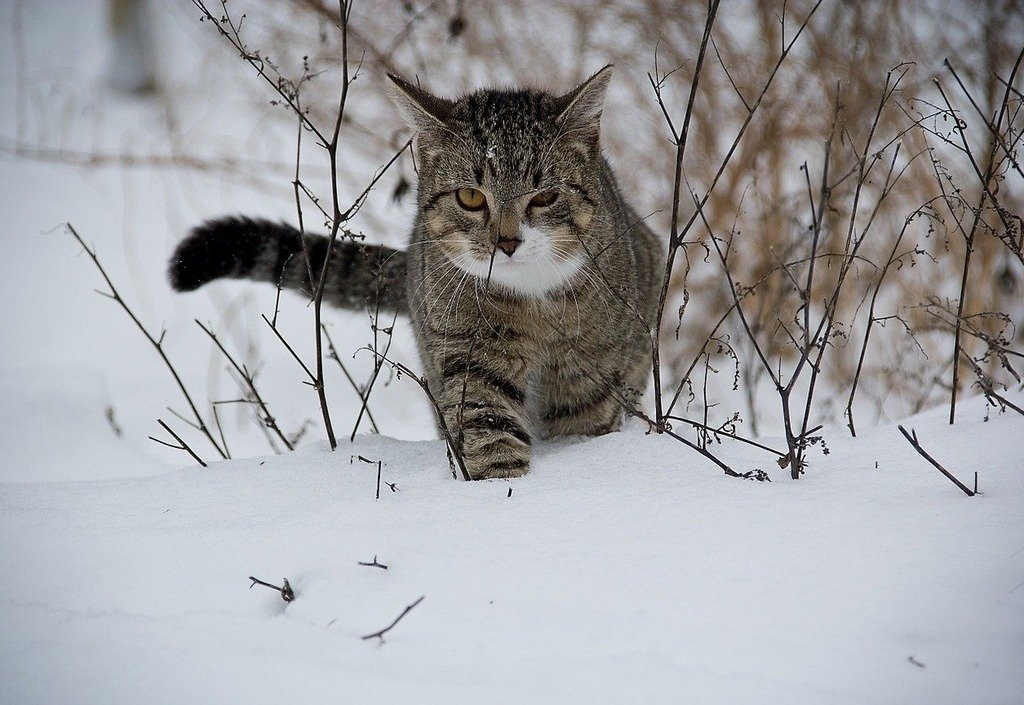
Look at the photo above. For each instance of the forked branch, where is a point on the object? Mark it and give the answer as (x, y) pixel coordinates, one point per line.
(265, 417)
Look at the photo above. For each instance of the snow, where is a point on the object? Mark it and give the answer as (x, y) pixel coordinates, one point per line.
(620, 568)
(601, 576)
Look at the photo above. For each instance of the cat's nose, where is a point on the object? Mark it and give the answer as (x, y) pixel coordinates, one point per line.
(508, 245)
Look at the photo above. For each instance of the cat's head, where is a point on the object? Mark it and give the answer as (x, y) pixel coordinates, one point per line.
(508, 179)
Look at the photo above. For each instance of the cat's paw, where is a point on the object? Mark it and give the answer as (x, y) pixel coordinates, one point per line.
(497, 469)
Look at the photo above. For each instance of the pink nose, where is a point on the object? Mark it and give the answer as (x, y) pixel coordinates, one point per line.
(508, 246)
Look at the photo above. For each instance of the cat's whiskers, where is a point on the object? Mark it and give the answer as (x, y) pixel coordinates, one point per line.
(465, 261)
(553, 261)
(572, 261)
(446, 315)
(433, 286)
(443, 284)
(429, 282)
(596, 281)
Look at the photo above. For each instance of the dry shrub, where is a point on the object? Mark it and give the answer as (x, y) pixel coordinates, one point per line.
(912, 196)
(831, 84)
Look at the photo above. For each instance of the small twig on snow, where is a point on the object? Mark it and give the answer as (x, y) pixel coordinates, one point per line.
(287, 594)
(373, 564)
(380, 634)
(379, 464)
(912, 438)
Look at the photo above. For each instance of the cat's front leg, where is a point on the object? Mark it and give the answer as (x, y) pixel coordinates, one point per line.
(483, 402)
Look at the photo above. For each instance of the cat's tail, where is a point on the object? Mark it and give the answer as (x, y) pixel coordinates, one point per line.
(359, 276)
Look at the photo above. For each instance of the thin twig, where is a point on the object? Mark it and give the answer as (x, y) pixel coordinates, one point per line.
(985, 179)
(872, 319)
(380, 634)
(680, 139)
(157, 343)
(454, 450)
(719, 432)
(182, 445)
(969, 238)
(377, 364)
(372, 564)
(289, 348)
(379, 464)
(287, 594)
(266, 417)
(912, 438)
(332, 353)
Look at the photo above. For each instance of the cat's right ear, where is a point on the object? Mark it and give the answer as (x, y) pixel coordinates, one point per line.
(420, 110)
(581, 107)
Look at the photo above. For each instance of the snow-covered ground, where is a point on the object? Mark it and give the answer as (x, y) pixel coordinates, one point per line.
(622, 568)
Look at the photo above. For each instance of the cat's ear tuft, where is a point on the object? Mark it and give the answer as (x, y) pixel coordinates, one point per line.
(581, 107)
(419, 109)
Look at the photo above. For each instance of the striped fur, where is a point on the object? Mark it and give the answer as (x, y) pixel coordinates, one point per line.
(245, 248)
(533, 312)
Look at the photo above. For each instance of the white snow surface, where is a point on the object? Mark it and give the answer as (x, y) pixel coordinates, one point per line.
(620, 569)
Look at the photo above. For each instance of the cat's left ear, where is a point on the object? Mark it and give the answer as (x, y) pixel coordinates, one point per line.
(581, 107)
(420, 110)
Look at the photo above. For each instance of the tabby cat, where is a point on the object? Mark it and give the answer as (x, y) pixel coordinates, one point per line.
(531, 284)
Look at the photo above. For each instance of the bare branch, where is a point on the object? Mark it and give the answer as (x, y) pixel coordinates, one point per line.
(912, 439)
(156, 343)
(266, 417)
(380, 633)
(182, 445)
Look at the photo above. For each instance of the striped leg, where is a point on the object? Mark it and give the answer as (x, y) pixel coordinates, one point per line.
(483, 400)
(578, 398)
(588, 410)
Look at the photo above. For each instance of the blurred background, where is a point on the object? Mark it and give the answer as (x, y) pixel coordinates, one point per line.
(136, 120)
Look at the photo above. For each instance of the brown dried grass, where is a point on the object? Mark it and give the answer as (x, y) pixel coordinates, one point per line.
(831, 84)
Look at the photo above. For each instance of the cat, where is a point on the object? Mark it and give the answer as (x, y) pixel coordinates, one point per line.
(531, 284)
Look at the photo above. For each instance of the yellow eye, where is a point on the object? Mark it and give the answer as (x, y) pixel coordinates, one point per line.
(471, 199)
(544, 199)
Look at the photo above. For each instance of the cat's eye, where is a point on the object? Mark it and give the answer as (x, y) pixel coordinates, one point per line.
(544, 199)
(471, 199)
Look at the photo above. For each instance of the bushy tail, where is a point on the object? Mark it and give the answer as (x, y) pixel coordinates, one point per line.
(359, 276)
